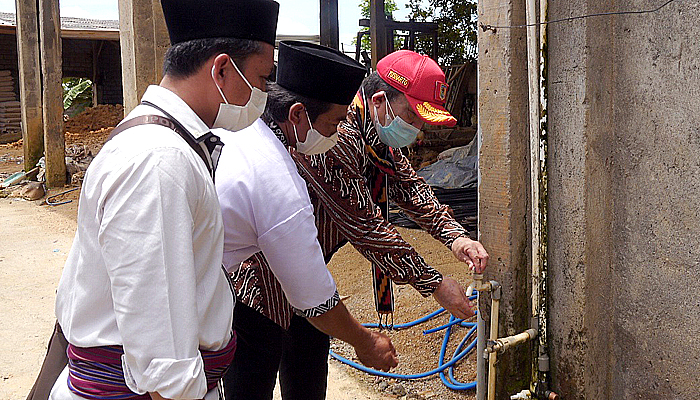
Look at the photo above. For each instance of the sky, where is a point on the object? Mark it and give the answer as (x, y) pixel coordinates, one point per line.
(297, 17)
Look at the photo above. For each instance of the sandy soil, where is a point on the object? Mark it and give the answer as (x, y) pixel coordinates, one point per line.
(35, 240)
(35, 243)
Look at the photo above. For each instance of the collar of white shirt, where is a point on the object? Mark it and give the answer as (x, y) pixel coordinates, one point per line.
(175, 106)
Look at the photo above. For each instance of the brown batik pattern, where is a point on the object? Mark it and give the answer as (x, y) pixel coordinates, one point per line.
(339, 190)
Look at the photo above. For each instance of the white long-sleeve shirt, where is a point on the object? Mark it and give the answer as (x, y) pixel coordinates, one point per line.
(266, 207)
(145, 270)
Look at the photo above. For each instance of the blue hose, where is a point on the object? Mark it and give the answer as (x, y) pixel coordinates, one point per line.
(459, 354)
(412, 323)
(452, 383)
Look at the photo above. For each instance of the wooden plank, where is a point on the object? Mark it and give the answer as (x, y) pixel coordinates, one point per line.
(52, 94)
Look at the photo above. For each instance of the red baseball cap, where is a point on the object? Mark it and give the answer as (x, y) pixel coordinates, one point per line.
(422, 81)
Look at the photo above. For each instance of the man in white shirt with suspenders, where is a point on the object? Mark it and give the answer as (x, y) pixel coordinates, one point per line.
(143, 301)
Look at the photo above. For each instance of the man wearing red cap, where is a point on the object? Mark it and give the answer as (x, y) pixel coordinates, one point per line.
(350, 184)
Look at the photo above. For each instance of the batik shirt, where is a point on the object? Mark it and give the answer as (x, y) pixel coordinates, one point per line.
(340, 184)
(266, 208)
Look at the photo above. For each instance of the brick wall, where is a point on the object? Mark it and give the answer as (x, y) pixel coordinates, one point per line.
(109, 74)
(78, 57)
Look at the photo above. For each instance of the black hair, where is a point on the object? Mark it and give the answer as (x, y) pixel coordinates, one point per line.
(185, 58)
(280, 100)
(373, 83)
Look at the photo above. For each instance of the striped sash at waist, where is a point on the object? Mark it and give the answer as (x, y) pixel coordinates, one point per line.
(96, 372)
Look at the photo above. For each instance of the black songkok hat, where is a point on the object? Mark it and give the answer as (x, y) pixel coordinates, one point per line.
(318, 72)
(202, 19)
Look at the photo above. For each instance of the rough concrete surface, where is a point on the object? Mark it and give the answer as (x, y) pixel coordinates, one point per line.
(504, 182)
(624, 192)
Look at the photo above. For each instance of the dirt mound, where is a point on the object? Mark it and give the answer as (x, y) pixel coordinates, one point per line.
(95, 118)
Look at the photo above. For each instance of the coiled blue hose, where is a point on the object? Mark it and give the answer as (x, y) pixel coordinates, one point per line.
(459, 354)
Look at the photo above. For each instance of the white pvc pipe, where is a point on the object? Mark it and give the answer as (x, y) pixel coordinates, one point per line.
(495, 303)
(480, 360)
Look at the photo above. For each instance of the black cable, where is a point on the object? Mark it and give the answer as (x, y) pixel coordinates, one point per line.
(486, 27)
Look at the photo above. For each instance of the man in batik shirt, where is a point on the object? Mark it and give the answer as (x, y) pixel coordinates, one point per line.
(347, 186)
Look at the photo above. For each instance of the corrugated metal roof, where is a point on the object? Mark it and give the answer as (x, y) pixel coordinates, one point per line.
(8, 19)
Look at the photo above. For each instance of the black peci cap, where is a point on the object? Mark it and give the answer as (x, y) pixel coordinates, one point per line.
(318, 72)
(240, 19)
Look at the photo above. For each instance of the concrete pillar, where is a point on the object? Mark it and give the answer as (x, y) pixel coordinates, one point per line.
(30, 81)
(52, 96)
(144, 41)
(624, 195)
(504, 178)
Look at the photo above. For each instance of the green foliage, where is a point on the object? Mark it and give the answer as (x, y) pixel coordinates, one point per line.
(389, 8)
(457, 29)
(77, 95)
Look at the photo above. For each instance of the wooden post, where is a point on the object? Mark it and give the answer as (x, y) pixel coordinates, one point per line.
(144, 40)
(377, 31)
(52, 96)
(95, 60)
(434, 54)
(329, 24)
(30, 81)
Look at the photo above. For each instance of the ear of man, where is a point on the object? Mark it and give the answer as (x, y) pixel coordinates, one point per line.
(296, 113)
(378, 99)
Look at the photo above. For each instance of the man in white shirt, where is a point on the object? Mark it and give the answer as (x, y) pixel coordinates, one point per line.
(266, 208)
(143, 301)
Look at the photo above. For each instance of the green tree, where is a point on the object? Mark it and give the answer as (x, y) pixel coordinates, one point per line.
(457, 28)
(77, 95)
(389, 8)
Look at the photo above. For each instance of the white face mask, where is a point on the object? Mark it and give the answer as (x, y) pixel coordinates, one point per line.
(315, 143)
(233, 117)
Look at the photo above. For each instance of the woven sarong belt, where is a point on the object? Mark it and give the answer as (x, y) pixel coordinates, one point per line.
(96, 372)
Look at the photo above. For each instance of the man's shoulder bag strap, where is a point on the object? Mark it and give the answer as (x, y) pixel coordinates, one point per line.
(169, 122)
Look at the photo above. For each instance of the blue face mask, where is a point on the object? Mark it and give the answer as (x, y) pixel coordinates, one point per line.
(397, 133)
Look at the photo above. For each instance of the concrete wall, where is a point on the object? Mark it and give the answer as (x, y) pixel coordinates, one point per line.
(504, 181)
(624, 201)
